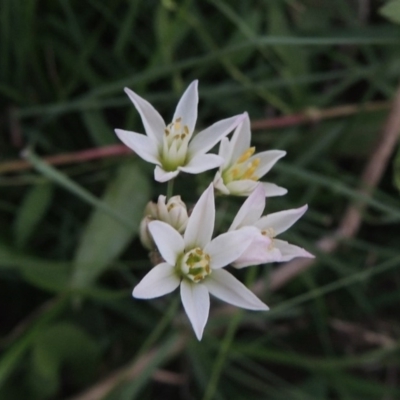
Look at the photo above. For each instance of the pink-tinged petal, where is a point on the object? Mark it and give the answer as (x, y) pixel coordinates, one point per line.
(162, 279)
(196, 302)
(267, 160)
(163, 176)
(243, 187)
(241, 138)
(290, 251)
(226, 287)
(272, 190)
(259, 252)
(152, 121)
(219, 184)
(208, 138)
(140, 144)
(187, 106)
(227, 247)
(282, 220)
(169, 241)
(201, 163)
(200, 225)
(251, 210)
(225, 152)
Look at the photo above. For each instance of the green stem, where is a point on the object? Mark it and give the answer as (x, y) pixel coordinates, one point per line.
(226, 344)
(160, 327)
(170, 189)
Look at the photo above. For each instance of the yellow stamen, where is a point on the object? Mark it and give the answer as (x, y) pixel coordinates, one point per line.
(246, 155)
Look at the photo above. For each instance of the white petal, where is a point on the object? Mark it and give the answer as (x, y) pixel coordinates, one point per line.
(163, 176)
(208, 138)
(201, 163)
(226, 287)
(140, 144)
(196, 302)
(169, 241)
(282, 220)
(161, 280)
(272, 190)
(225, 152)
(187, 107)
(162, 209)
(259, 252)
(227, 247)
(290, 251)
(241, 138)
(251, 210)
(152, 121)
(267, 160)
(243, 187)
(219, 184)
(201, 222)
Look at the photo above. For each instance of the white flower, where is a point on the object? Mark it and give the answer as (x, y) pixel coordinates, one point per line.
(241, 170)
(265, 247)
(172, 147)
(194, 262)
(173, 212)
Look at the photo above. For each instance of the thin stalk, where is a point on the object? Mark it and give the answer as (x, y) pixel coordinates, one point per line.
(170, 189)
(226, 344)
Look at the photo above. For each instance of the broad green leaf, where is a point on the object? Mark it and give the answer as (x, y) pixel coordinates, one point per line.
(45, 274)
(105, 238)
(32, 210)
(64, 181)
(63, 345)
(97, 126)
(391, 10)
(14, 352)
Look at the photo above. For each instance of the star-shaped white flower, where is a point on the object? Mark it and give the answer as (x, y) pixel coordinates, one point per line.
(195, 261)
(241, 170)
(265, 247)
(173, 148)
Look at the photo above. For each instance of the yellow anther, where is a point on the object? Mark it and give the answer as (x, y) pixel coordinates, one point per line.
(246, 155)
(186, 129)
(183, 136)
(166, 130)
(178, 120)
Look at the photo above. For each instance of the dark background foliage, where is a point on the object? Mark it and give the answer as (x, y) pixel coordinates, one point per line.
(69, 252)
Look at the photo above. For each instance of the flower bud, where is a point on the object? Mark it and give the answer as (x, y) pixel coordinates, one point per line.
(172, 212)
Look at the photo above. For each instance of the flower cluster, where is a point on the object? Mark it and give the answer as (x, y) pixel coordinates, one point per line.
(191, 258)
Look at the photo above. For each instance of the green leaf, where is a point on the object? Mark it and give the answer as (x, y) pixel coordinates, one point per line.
(391, 11)
(64, 181)
(32, 210)
(63, 345)
(12, 356)
(104, 238)
(98, 128)
(45, 274)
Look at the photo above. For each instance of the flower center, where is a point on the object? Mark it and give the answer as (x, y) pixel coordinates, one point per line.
(195, 265)
(175, 143)
(269, 232)
(242, 168)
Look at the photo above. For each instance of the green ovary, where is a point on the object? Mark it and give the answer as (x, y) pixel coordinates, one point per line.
(175, 144)
(195, 265)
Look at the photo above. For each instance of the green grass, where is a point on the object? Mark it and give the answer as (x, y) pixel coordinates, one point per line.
(69, 248)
